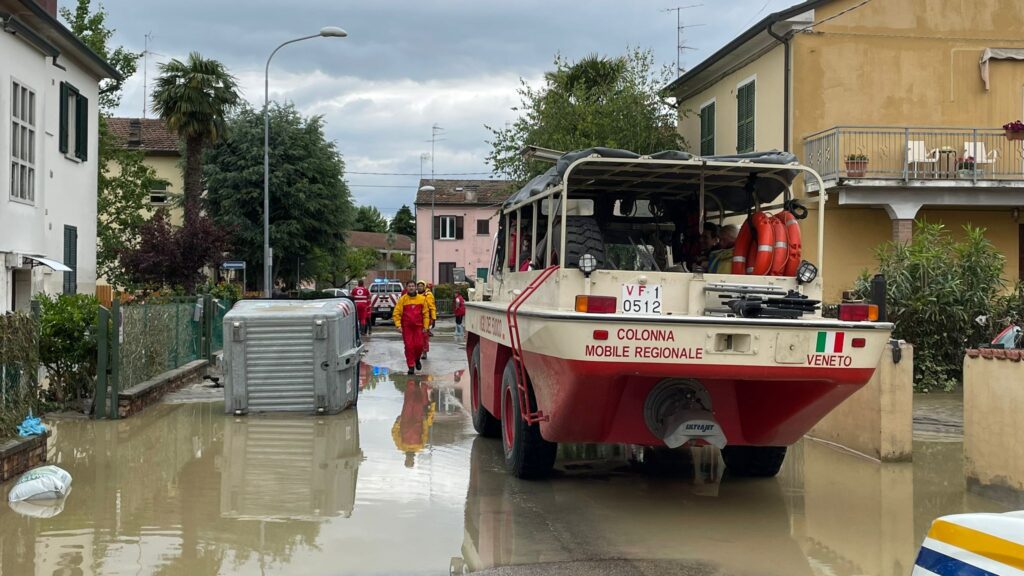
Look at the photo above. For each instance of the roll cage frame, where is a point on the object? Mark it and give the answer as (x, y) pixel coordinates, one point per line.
(665, 175)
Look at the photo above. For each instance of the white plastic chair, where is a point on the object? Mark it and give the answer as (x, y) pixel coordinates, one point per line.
(916, 156)
(977, 150)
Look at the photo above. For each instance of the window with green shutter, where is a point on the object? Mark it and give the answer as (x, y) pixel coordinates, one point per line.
(73, 135)
(707, 130)
(71, 259)
(745, 118)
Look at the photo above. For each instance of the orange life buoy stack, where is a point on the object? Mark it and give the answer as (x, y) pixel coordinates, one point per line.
(768, 245)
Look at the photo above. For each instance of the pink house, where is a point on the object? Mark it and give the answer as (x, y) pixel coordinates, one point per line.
(465, 219)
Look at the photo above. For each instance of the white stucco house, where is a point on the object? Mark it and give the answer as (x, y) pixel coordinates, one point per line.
(49, 82)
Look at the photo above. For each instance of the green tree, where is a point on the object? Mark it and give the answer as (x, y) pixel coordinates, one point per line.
(194, 98)
(124, 179)
(404, 222)
(310, 205)
(597, 101)
(401, 261)
(369, 219)
(67, 343)
(357, 262)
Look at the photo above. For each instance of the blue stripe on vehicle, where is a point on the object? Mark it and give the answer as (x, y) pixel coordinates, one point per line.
(946, 565)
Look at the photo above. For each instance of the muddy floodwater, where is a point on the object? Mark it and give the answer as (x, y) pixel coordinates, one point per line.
(403, 486)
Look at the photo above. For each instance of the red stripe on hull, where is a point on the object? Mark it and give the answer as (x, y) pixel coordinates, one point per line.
(603, 402)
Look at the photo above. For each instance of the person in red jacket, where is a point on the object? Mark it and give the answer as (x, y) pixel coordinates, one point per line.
(412, 317)
(460, 315)
(361, 296)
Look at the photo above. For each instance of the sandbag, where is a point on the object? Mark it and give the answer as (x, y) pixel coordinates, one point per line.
(43, 483)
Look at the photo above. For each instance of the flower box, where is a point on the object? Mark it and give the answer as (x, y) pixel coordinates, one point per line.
(1014, 134)
(856, 168)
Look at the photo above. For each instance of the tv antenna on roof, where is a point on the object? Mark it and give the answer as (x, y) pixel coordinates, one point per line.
(680, 45)
(145, 69)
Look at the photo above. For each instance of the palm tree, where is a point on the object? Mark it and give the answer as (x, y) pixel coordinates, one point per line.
(193, 98)
(591, 77)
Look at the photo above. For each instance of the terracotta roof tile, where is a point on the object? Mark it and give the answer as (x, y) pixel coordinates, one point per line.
(378, 240)
(488, 192)
(146, 134)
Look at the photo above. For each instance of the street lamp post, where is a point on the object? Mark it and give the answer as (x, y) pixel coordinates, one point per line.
(326, 32)
(432, 191)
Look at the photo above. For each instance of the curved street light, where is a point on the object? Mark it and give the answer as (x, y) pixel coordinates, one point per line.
(325, 32)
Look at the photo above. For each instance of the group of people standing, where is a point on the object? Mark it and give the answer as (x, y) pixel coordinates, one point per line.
(415, 315)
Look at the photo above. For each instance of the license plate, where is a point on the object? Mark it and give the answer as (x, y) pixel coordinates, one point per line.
(641, 298)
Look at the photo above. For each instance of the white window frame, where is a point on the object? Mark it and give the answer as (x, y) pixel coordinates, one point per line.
(446, 225)
(23, 135)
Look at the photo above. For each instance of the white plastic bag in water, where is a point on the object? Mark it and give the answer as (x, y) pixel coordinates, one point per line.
(43, 483)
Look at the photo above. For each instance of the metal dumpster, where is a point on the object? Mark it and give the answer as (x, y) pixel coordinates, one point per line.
(291, 356)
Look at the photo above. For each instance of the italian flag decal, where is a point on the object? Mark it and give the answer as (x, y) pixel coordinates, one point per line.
(830, 342)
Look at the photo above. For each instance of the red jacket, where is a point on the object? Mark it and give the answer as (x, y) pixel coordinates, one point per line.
(460, 305)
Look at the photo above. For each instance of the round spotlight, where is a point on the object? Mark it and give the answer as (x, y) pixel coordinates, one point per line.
(806, 273)
(588, 263)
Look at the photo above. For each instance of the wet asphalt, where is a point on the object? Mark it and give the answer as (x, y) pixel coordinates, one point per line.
(402, 485)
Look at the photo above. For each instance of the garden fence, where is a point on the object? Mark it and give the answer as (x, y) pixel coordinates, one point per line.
(150, 338)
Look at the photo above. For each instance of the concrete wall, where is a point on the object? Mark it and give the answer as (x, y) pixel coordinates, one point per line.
(877, 420)
(768, 106)
(852, 234)
(472, 252)
(993, 395)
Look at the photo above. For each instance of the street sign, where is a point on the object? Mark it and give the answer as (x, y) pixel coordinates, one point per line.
(233, 265)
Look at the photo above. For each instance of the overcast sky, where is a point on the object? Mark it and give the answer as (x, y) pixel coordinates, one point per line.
(407, 65)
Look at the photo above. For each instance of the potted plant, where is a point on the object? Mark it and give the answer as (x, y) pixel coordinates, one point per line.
(856, 165)
(1014, 130)
(965, 167)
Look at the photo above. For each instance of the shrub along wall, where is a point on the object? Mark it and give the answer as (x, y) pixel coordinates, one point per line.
(19, 388)
(944, 295)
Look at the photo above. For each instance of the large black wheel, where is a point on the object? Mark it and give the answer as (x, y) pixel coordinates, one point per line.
(753, 461)
(582, 236)
(527, 454)
(484, 423)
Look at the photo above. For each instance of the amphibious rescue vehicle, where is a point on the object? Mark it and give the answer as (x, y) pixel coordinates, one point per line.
(609, 316)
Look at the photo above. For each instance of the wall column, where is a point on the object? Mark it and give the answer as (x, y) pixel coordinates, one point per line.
(902, 215)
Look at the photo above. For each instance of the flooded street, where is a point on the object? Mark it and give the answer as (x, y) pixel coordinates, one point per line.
(403, 486)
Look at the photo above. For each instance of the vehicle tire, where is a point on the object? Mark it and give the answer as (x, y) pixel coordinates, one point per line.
(753, 461)
(484, 422)
(583, 236)
(527, 454)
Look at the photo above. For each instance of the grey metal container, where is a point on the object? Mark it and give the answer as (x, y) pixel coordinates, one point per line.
(291, 356)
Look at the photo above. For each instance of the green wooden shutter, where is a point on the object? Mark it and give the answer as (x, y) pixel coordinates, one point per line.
(82, 128)
(707, 130)
(71, 259)
(62, 139)
(745, 118)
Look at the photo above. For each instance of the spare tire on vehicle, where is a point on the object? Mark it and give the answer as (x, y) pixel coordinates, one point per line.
(583, 236)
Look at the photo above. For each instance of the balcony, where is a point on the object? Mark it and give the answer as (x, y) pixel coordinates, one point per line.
(906, 157)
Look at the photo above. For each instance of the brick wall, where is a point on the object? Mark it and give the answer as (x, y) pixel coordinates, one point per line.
(21, 454)
(141, 396)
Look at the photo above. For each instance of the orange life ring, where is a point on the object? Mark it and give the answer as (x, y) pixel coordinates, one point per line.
(795, 246)
(780, 249)
(759, 259)
(741, 248)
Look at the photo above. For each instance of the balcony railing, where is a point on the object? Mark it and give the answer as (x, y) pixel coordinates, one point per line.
(862, 154)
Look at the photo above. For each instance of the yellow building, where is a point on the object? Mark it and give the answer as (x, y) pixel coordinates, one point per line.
(917, 87)
(161, 153)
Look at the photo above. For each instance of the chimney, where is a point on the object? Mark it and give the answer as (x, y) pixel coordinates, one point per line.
(49, 5)
(135, 132)
(471, 193)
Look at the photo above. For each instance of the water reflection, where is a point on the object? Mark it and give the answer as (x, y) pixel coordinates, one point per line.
(185, 489)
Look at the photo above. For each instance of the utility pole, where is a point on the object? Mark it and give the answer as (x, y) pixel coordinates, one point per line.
(434, 131)
(145, 71)
(680, 46)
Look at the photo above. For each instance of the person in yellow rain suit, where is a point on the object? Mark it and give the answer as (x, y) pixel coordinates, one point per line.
(412, 317)
(426, 290)
(411, 430)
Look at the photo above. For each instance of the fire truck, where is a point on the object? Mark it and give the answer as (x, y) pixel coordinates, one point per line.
(605, 320)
